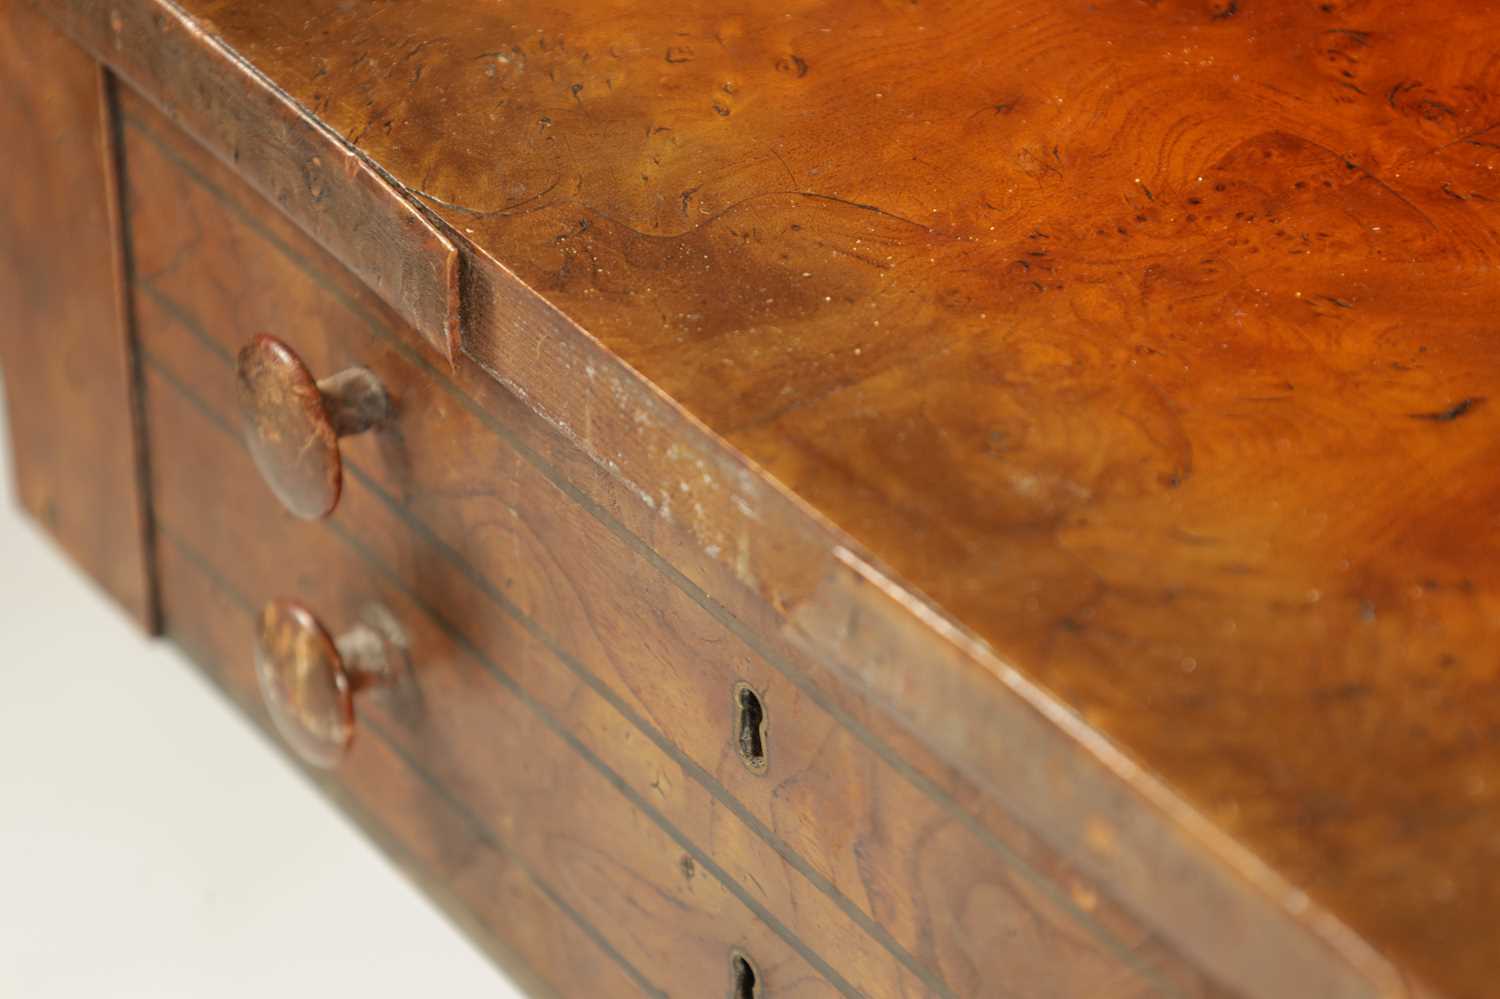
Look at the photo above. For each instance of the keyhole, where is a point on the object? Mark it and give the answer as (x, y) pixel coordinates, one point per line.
(750, 725)
(745, 984)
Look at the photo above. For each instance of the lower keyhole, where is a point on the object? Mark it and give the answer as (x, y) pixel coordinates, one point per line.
(745, 984)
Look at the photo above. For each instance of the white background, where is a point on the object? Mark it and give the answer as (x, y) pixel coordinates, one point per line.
(152, 843)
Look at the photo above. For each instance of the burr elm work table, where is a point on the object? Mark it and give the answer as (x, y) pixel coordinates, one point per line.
(811, 498)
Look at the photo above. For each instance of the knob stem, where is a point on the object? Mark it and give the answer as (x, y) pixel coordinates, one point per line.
(354, 400)
(373, 650)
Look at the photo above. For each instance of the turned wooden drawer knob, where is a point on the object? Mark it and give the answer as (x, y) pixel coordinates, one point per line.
(292, 423)
(309, 680)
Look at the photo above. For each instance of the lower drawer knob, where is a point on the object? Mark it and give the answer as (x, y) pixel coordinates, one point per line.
(292, 423)
(308, 679)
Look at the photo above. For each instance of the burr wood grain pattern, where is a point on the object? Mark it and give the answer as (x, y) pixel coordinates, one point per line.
(1100, 388)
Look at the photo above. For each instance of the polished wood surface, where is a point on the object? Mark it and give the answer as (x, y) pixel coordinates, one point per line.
(790, 573)
(1126, 365)
(848, 862)
(64, 347)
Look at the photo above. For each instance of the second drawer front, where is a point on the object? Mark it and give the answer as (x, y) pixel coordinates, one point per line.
(570, 766)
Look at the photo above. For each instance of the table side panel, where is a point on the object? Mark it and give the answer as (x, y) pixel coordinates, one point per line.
(68, 364)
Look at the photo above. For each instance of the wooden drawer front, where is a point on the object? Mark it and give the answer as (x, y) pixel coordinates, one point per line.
(569, 771)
